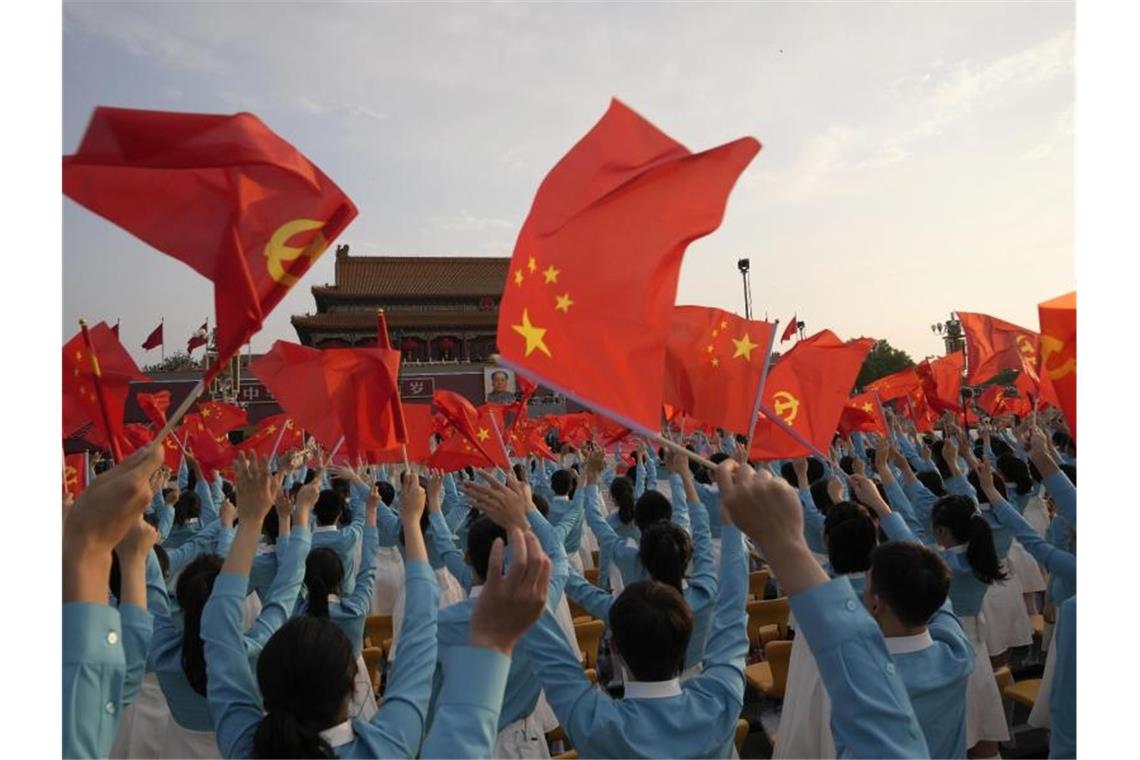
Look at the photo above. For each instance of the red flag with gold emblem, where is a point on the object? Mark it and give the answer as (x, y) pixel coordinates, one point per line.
(221, 193)
(220, 417)
(74, 473)
(116, 372)
(861, 414)
(942, 382)
(807, 389)
(714, 364)
(587, 305)
(263, 439)
(172, 452)
(154, 406)
(994, 345)
(1058, 357)
(897, 385)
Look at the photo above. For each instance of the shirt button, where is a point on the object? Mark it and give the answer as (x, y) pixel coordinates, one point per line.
(112, 637)
(110, 708)
(850, 605)
(890, 667)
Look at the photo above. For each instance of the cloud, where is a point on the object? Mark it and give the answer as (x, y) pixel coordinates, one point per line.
(1038, 152)
(467, 222)
(130, 31)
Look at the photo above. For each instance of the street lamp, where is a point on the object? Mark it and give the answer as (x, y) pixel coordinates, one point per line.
(743, 265)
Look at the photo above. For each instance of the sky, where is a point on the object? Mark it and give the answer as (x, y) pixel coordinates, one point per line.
(917, 158)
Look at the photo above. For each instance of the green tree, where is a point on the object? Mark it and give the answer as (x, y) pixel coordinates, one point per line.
(883, 360)
(177, 362)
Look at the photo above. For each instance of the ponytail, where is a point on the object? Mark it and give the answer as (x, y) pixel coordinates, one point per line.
(187, 507)
(195, 585)
(621, 489)
(981, 553)
(280, 734)
(323, 574)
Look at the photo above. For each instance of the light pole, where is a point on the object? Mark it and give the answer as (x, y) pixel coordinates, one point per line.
(743, 266)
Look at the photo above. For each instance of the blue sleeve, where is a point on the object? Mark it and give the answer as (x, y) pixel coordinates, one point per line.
(680, 502)
(165, 514)
(403, 713)
(922, 499)
(1056, 561)
(603, 531)
(703, 577)
(651, 473)
(639, 481)
(1064, 495)
(727, 647)
(230, 687)
(988, 454)
(552, 544)
(358, 499)
(183, 474)
(901, 505)
(360, 600)
(813, 522)
(588, 596)
(960, 486)
(138, 627)
(216, 491)
(225, 541)
(93, 670)
(444, 545)
(208, 509)
(203, 541)
(466, 719)
(906, 447)
(859, 446)
(896, 528)
(1063, 697)
(157, 597)
(387, 526)
(871, 714)
(282, 595)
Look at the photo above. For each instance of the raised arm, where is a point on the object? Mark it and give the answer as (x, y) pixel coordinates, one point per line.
(360, 600)
(441, 533)
(813, 518)
(1056, 482)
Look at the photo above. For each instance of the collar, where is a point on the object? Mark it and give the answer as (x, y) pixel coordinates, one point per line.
(339, 735)
(334, 598)
(324, 529)
(475, 591)
(266, 549)
(959, 549)
(652, 689)
(908, 644)
(856, 576)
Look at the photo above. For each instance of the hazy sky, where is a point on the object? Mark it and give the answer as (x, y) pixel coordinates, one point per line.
(917, 158)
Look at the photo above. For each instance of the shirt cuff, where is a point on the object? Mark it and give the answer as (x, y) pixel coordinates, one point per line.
(477, 676)
(830, 614)
(92, 634)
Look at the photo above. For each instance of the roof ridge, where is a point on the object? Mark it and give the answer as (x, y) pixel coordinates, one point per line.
(369, 259)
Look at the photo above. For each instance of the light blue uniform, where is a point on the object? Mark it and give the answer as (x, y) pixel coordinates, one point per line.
(349, 613)
(344, 540)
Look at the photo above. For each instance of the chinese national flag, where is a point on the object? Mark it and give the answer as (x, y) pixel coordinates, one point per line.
(74, 473)
(220, 418)
(136, 436)
(897, 385)
(527, 438)
(527, 389)
(154, 340)
(419, 424)
(221, 193)
(589, 297)
(790, 330)
(808, 389)
(263, 439)
(456, 452)
(942, 382)
(154, 406)
(116, 371)
(1058, 358)
(475, 425)
(994, 345)
(211, 453)
(295, 376)
(861, 414)
(575, 428)
(916, 407)
(713, 365)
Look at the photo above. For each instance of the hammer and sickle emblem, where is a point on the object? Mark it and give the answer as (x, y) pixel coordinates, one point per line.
(786, 406)
(70, 477)
(277, 253)
(1049, 347)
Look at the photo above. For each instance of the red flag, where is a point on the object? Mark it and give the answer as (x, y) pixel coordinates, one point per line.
(116, 371)
(455, 453)
(221, 193)
(211, 453)
(527, 389)
(220, 418)
(199, 338)
(808, 389)
(419, 425)
(620, 207)
(942, 382)
(74, 473)
(262, 440)
(993, 345)
(154, 340)
(171, 452)
(473, 424)
(861, 413)
(154, 406)
(790, 330)
(1058, 358)
(713, 365)
(576, 428)
(917, 409)
(527, 439)
(897, 385)
(295, 376)
(996, 400)
(115, 329)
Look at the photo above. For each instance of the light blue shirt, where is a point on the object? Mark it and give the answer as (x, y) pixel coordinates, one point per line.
(344, 540)
(350, 613)
(1063, 697)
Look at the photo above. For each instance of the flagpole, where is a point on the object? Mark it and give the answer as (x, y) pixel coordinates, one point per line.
(792, 432)
(336, 448)
(495, 425)
(162, 345)
(184, 407)
(96, 377)
(383, 341)
(763, 381)
(276, 443)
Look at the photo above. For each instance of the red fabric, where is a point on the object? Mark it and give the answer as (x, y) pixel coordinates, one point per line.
(154, 406)
(808, 388)
(211, 453)
(420, 427)
(897, 385)
(527, 389)
(471, 423)
(199, 338)
(171, 453)
(588, 299)
(221, 418)
(996, 401)
(1058, 357)
(790, 330)
(116, 371)
(262, 440)
(480, 447)
(861, 414)
(154, 340)
(942, 382)
(136, 436)
(994, 345)
(713, 365)
(221, 193)
(74, 473)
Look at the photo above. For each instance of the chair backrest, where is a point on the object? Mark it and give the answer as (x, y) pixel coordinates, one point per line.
(778, 654)
(372, 657)
(764, 612)
(591, 575)
(376, 629)
(576, 611)
(589, 634)
(1003, 676)
(758, 583)
(741, 735)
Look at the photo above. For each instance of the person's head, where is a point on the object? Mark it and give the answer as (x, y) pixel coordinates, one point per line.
(270, 526)
(650, 507)
(561, 482)
(186, 508)
(847, 464)
(999, 447)
(850, 534)
(520, 472)
(305, 673)
(329, 506)
(1070, 471)
(499, 381)
(480, 538)
(541, 504)
(1016, 472)
(999, 484)
(905, 585)
(1065, 443)
(932, 481)
(939, 461)
(652, 624)
(387, 492)
(621, 490)
(702, 474)
(229, 492)
(193, 589)
(956, 522)
(665, 551)
(323, 574)
(820, 494)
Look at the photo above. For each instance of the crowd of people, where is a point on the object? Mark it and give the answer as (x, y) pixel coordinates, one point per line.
(208, 618)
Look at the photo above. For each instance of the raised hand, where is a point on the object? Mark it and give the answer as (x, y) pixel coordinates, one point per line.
(506, 505)
(986, 481)
(510, 604)
(412, 499)
(800, 466)
(138, 541)
(882, 452)
(868, 495)
(227, 513)
(256, 488)
(435, 491)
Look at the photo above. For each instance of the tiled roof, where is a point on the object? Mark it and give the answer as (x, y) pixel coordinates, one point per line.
(417, 276)
(366, 320)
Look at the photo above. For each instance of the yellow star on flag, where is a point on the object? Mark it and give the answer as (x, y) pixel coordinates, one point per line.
(483, 434)
(518, 277)
(716, 362)
(532, 264)
(868, 408)
(532, 334)
(744, 347)
(709, 348)
(715, 333)
(723, 325)
(271, 429)
(551, 274)
(563, 303)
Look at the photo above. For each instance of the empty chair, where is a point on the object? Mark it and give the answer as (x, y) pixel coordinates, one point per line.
(771, 676)
(377, 628)
(766, 616)
(372, 657)
(589, 634)
(1023, 692)
(758, 584)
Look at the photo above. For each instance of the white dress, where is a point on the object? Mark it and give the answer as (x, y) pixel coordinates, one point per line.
(1028, 572)
(450, 592)
(143, 722)
(985, 715)
(1006, 619)
(805, 719)
(543, 712)
(389, 580)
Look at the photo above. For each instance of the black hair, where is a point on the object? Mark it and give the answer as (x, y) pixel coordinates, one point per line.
(561, 482)
(163, 560)
(820, 495)
(1070, 471)
(665, 552)
(186, 508)
(340, 485)
(323, 574)
(195, 584)
(541, 504)
(1015, 471)
(652, 624)
(932, 481)
(305, 673)
(480, 538)
(850, 535)
(229, 492)
(1064, 442)
(847, 464)
(966, 524)
(702, 474)
(999, 484)
(912, 579)
(650, 507)
(999, 447)
(387, 492)
(938, 459)
(329, 506)
(520, 472)
(621, 489)
(271, 526)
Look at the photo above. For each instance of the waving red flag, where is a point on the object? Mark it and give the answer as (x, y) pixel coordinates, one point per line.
(620, 207)
(295, 376)
(221, 193)
(1058, 358)
(74, 473)
(997, 400)
(116, 371)
(200, 337)
(221, 418)
(994, 345)
(476, 425)
(861, 414)
(807, 390)
(714, 364)
(456, 452)
(790, 330)
(262, 440)
(420, 426)
(897, 385)
(154, 340)
(942, 382)
(154, 406)
(211, 453)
